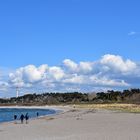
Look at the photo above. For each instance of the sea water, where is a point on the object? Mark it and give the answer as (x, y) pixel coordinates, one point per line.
(7, 114)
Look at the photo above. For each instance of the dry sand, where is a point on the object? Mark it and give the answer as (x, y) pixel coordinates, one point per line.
(76, 124)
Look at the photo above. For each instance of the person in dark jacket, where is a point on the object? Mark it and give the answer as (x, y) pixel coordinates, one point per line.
(15, 118)
(22, 118)
(26, 118)
(37, 114)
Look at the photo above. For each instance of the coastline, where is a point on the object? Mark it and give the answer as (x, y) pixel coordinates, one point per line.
(54, 107)
(76, 124)
(58, 110)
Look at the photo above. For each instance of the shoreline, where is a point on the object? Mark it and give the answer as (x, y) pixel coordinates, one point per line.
(58, 110)
(55, 107)
(76, 124)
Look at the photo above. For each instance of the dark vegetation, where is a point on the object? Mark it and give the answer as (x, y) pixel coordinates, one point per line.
(126, 96)
(46, 98)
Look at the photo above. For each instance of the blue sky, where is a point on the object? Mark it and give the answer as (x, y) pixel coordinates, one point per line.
(48, 32)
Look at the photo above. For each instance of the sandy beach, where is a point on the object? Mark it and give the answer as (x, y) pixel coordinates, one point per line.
(76, 124)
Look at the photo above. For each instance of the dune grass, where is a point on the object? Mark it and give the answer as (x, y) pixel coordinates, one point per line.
(131, 108)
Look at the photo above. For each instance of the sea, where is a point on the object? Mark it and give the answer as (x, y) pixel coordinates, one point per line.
(7, 114)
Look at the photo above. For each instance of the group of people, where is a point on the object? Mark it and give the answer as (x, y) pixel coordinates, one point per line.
(22, 117)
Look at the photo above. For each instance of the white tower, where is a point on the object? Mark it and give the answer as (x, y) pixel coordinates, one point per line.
(17, 92)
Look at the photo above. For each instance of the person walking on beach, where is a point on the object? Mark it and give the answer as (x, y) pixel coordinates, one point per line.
(15, 118)
(37, 114)
(26, 118)
(22, 118)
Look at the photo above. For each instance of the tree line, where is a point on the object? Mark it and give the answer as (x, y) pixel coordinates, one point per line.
(111, 96)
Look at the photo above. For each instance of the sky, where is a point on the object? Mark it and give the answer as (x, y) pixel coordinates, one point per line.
(69, 45)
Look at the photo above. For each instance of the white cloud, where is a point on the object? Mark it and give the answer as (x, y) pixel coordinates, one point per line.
(111, 71)
(26, 76)
(75, 79)
(70, 65)
(85, 67)
(56, 73)
(116, 63)
(82, 67)
(32, 74)
(104, 81)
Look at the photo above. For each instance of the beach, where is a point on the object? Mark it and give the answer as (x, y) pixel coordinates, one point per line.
(76, 124)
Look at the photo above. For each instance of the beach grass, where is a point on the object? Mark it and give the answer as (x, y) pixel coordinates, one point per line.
(130, 108)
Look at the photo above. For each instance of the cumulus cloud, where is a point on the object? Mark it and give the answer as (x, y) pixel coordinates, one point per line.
(110, 71)
(85, 67)
(116, 63)
(104, 81)
(75, 79)
(71, 65)
(56, 73)
(31, 75)
(28, 75)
